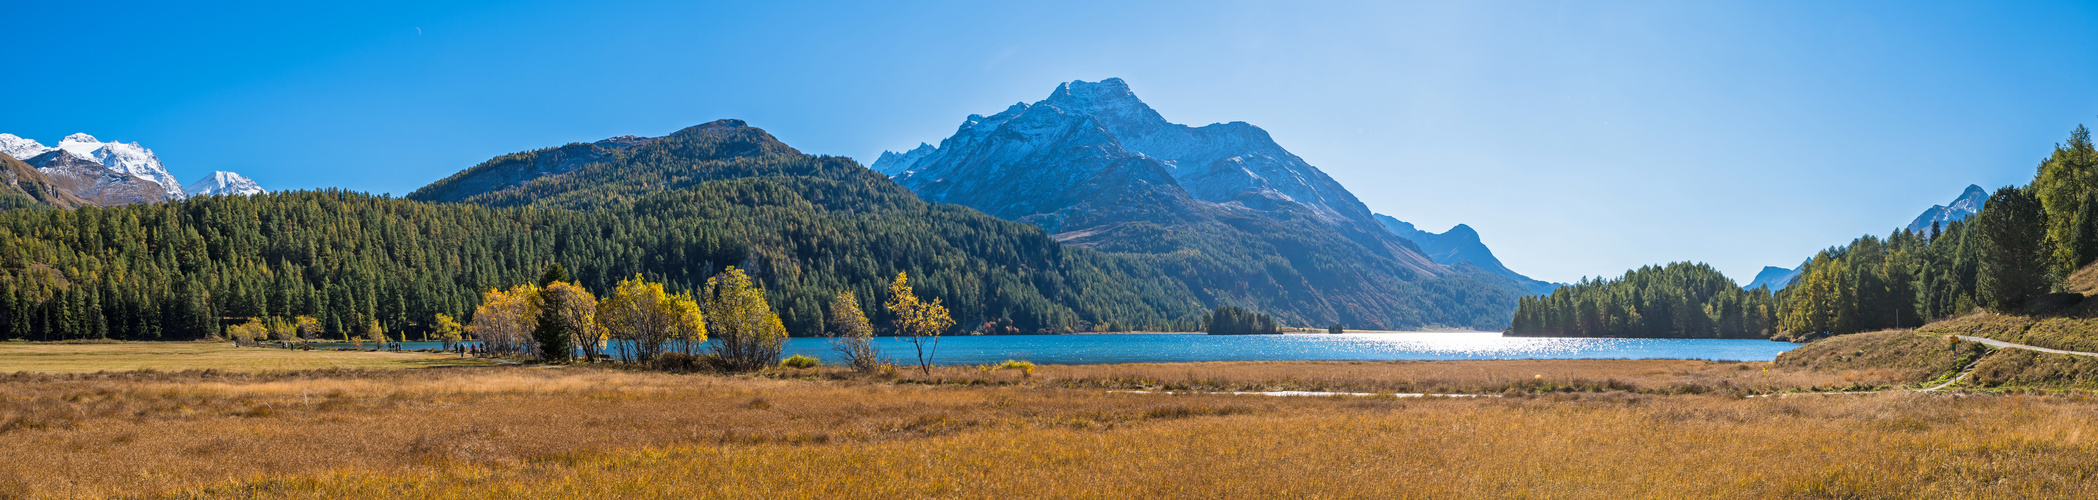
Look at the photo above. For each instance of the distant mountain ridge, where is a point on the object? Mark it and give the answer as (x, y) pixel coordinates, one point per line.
(1774, 278)
(809, 226)
(223, 183)
(93, 182)
(1460, 244)
(1240, 219)
(110, 173)
(1969, 203)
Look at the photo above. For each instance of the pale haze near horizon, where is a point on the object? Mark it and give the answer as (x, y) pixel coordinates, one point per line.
(1578, 139)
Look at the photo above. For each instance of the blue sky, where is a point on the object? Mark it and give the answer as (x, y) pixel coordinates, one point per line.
(1580, 138)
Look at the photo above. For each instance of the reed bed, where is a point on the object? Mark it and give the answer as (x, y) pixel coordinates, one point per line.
(596, 433)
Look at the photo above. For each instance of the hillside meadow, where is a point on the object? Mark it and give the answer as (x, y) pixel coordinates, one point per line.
(1057, 431)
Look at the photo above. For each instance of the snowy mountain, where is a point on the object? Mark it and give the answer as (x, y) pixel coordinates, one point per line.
(1776, 278)
(20, 148)
(224, 183)
(1240, 219)
(93, 182)
(1459, 245)
(1968, 204)
(1225, 163)
(127, 158)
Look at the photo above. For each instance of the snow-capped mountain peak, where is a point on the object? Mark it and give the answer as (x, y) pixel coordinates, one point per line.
(224, 183)
(21, 148)
(129, 158)
(1969, 203)
(894, 164)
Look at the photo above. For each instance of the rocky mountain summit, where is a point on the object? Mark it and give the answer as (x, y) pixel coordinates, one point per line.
(1968, 204)
(223, 183)
(105, 173)
(1244, 221)
(1458, 245)
(94, 183)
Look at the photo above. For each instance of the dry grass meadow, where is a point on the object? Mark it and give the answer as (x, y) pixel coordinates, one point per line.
(128, 356)
(491, 432)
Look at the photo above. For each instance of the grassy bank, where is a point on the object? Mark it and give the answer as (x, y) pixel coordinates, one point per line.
(1650, 376)
(482, 432)
(39, 357)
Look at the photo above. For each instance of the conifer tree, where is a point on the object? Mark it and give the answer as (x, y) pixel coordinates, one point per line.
(2013, 247)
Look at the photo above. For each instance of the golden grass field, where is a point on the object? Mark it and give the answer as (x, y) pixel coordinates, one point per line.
(522, 431)
(127, 356)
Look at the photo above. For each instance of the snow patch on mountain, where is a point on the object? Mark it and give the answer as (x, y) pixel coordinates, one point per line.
(21, 148)
(1969, 203)
(224, 183)
(1226, 163)
(125, 157)
(893, 164)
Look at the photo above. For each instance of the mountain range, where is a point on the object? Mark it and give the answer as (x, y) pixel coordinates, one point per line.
(807, 226)
(1228, 211)
(1968, 204)
(115, 173)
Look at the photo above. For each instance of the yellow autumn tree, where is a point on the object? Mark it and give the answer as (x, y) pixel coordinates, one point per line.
(505, 319)
(749, 335)
(448, 330)
(917, 321)
(248, 333)
(282, 329)
(853, 335)
(647, 320)
(309, 327)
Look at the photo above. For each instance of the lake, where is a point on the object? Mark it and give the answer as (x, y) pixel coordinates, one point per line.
(1169, 348)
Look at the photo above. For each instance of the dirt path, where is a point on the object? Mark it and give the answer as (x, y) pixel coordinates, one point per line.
(2007, 345)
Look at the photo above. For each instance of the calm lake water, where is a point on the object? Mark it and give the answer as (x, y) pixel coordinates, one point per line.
(1165, 348)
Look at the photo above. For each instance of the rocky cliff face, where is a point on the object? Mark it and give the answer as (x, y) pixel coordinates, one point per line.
(94, 183)
(19, 179)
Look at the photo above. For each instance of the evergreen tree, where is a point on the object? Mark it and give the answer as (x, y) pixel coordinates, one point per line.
(555, 328)
(2013, 244)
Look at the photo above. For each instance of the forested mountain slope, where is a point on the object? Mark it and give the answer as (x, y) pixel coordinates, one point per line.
(676, 210)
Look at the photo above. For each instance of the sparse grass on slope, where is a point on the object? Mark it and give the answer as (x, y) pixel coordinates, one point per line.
(2076, 329)
(1900, 355)
(2023, 369)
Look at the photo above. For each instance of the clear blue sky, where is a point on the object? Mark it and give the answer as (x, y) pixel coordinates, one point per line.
(1580, 138)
